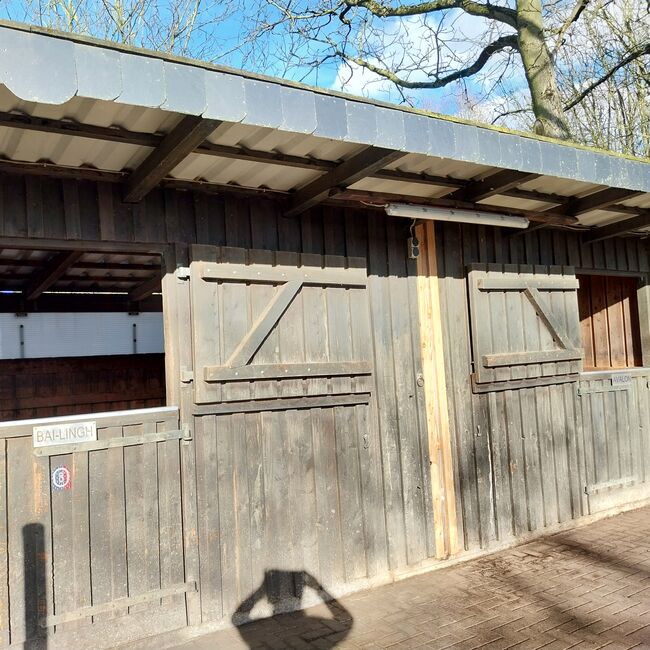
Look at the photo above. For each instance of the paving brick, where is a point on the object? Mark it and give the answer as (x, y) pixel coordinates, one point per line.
(583, 589)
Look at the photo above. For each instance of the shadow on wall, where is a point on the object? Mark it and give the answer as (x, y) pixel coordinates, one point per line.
(284, 591)
(34, 567)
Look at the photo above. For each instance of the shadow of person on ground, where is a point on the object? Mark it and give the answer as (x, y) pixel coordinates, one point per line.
(284, 592)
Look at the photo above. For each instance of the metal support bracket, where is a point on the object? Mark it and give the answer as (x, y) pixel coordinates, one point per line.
(187, 433)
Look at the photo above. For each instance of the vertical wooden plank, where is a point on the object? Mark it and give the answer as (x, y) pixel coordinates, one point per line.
(291, 334)
(616, 325)
(69, 548)
(327, 504)
(513, 323)
(106, 213)
(632, 319)
(586, 325)
(386, 392)
(171, 521)
(562, 432)
(453, 297)
(372, 490)
(599, 321)
(72, 209)
(34, 206)
(254, 463)
(517, 463)
(435, 391)
(209, 537)
(227, 495)
(349, 481)
(241, 504)
(29, 540)
(5, 638)
(497, 434)
(235, 321)
(405, 386)
(107, 507)
(142, 523)
(14, 207)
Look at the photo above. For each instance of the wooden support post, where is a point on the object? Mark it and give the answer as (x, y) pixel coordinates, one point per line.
(435, 390)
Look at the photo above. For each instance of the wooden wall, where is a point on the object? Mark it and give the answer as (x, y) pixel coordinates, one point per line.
(38, 388)
(382, 466)
(526, 457)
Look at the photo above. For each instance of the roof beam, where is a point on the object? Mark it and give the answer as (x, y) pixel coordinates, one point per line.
(596, 201)
(642, 220)
(188, 134)
(145, 289)
(51, 273)
(365, 163)
(153, 140)
(497, 183)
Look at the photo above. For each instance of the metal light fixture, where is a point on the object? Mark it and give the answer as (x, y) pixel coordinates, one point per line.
(455, 216)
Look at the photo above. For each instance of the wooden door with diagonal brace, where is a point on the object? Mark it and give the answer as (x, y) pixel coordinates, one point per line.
(283, 386)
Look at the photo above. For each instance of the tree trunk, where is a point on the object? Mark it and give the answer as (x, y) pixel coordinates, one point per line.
(540, 71)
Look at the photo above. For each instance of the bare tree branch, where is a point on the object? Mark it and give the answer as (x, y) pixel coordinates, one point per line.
(644, 50)
(496, 46)
(493, 12)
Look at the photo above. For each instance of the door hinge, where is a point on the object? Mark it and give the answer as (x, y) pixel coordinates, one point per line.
(187, 433)
(187, 376)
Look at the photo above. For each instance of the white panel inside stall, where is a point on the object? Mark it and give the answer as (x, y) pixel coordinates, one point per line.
(39, 335)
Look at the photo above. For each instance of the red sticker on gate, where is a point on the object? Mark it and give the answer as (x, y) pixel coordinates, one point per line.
(61, 478)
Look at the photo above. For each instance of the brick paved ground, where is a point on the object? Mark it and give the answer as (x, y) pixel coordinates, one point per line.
(588, 588)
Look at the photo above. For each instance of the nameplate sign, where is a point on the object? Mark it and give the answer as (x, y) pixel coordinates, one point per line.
(63, 433)
(621, 380)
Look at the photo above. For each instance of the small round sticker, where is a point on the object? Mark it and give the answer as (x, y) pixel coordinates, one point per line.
(61, 478)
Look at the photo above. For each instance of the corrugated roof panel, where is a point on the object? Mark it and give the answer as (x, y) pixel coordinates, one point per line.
(400, 187)
(516, 202)
(418, 164)
(602, 218)
(563, 186)
(642, 201)
(241, 172)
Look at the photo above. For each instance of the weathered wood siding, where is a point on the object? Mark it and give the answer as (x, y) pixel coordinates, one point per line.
(526, 457)
(99, 562)
(343, 492)
(38, 388)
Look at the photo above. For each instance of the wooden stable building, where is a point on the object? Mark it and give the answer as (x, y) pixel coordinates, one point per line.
(224, 364)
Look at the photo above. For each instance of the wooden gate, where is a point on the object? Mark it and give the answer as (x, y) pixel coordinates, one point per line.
(91, 534)
(287, 456)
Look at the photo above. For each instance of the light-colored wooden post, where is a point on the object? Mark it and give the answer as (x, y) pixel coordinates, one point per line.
(435, 389)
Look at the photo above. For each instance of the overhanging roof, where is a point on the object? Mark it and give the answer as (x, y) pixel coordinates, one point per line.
(75, 103)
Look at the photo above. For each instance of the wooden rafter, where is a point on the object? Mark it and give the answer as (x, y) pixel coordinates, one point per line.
(365, 163)
(55, 269)
(145, 289)
(188, 134)
(596, 201)
(641, 220)
(496, 183)
(153, 140)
